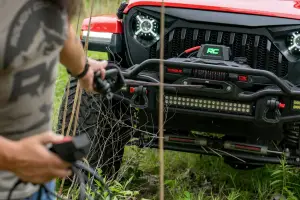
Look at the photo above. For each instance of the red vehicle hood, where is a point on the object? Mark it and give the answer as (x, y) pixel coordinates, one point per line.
(274, 8)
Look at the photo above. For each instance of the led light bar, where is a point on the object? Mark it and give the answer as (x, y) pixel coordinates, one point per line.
(296, 105)
(208, 104)
(100, 37)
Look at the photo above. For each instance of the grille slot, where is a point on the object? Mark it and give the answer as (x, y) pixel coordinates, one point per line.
(259, 51)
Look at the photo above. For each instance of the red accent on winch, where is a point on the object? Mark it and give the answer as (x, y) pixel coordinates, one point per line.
(192, 49)
(131, 90)
(281, 105)
(174, 70)
(181, 140)
(243, 78)
(251, 148)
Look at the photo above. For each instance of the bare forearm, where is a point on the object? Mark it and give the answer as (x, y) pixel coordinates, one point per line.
(7, 153)
(74, 59)
(72, 55)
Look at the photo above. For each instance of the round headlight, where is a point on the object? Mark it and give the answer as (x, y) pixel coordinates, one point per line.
(293, 42)
(145, 29)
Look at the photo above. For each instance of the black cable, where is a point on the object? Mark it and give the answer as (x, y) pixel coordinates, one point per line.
(93, 188)
(192, 54)
(181, 54)
(81, 183)
(80, 165)
(41, 187)
(81, 180)
(13, 188)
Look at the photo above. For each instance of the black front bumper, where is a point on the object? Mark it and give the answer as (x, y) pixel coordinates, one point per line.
(185, 117)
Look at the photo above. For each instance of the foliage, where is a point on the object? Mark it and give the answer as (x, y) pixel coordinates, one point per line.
(285, 180)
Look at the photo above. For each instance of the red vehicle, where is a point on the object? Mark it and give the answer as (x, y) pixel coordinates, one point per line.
(232, 71)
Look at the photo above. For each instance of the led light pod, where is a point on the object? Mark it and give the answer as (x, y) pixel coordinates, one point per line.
(293, 42)
(145, 29)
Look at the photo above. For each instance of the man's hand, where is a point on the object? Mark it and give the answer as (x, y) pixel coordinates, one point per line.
(87, 82)
(33, 162)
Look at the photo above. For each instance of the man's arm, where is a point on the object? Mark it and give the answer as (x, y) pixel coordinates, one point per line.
(72, 55)
(73, 58)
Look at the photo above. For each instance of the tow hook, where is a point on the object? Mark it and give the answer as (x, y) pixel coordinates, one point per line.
(275, 104)
(139, 98)
(272, 113)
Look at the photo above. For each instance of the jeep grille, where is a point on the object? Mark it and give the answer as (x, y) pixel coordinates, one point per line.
(260, 52)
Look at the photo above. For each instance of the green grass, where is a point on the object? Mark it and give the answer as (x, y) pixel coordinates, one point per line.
(190, 176)
(61, 81)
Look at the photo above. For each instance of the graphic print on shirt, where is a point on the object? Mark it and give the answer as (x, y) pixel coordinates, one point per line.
(34, 40)
(37, 30)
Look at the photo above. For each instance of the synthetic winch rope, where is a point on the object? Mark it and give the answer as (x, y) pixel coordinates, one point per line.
(161, 101)
(77, 98)
(85, 50)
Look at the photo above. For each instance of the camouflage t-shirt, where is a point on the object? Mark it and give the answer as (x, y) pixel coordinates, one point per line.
(32, 33)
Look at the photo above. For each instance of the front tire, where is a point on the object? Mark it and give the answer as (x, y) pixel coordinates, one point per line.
(106, 124)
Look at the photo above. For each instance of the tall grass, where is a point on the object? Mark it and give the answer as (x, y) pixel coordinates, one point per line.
(189, 176)
(103, 6)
